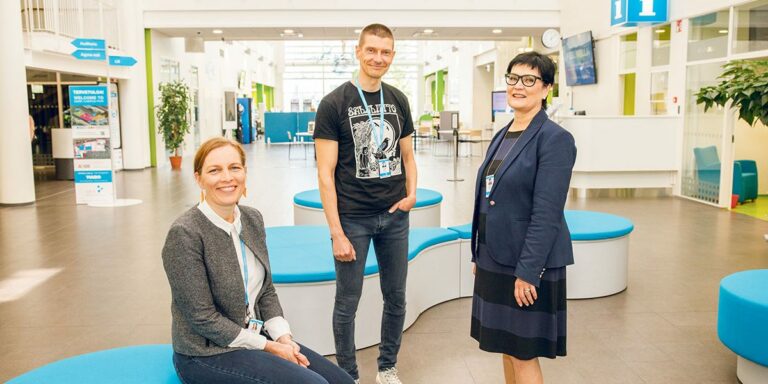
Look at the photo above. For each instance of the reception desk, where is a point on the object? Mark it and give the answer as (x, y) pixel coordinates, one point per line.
(625, 151)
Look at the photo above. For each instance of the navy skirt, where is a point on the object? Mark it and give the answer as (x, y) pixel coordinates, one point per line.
(501, 326)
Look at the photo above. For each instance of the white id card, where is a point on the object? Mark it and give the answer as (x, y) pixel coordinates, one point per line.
(488, 185)
(255, 325)
(384, 170)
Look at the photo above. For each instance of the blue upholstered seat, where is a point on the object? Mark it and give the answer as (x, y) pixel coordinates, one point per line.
(302, 254)
(584, 225)
(745, 179)
(140, 364)
(742, 314)
(311, 198)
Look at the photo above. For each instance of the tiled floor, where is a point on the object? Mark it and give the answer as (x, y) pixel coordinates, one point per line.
(111, 290)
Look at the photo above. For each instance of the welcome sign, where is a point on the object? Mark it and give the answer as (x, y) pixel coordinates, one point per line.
(89, 113)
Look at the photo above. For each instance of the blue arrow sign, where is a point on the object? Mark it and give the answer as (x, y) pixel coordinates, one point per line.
(87, 54)
(89, 44)
(122, 61)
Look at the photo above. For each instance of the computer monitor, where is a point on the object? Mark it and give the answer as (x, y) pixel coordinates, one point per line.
(498, 103)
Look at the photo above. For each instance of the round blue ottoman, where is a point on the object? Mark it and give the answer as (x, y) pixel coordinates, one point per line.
(742, 322)
(308, 209)
(141, 364)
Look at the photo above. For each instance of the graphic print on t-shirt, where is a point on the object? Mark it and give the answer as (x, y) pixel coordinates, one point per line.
(367, 151)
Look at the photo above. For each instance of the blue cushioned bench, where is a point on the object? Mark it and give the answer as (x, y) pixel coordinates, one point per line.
(308, 209)
(742, 322)
(141, 364)
(600, 247)
(303, 270)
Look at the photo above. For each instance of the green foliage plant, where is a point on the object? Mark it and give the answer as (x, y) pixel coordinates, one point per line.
(172, 114)
(743, 83)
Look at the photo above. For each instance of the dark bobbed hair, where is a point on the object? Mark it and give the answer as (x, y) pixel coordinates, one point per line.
(542, 63)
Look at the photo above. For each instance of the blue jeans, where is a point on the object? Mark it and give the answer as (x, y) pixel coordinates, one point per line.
(244, 366)
(389, 232)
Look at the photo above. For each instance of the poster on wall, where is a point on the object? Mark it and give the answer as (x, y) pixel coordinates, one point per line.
(89, 110)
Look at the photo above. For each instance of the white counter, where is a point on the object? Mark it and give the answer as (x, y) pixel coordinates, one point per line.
(625, 151)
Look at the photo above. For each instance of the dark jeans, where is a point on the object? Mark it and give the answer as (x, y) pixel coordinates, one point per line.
(257, 367)
(389, 232)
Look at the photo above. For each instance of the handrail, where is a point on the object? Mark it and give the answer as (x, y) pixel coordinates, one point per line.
(72, 19)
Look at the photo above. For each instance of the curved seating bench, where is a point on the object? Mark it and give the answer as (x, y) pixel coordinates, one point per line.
(600, 251)
(742, 315)
(466, 279)
(308, 209)
(140, 364)
(304, 277)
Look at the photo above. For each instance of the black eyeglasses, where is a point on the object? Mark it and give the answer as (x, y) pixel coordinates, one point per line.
(528, 80)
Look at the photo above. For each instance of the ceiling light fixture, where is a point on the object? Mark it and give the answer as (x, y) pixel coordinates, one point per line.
(288, 31)
(429, 31)
(496, 31)
(357, 31)
(217, 31)
(723, 31)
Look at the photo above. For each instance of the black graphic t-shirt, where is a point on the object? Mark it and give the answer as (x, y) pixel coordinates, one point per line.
(341, 116)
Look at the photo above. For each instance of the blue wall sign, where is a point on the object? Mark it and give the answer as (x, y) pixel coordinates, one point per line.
(631, 12)
(88, 95)
(83, 54)
(122, 61)
(89, 44)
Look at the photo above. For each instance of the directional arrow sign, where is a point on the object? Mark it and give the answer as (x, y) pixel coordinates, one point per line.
(122, 61)
(87, 54)
(89, 44)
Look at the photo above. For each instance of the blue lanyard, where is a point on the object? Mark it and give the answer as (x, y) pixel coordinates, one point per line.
(377, 138)
(245, 273)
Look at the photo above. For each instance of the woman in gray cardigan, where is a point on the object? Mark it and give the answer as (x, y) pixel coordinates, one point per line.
(228, 326)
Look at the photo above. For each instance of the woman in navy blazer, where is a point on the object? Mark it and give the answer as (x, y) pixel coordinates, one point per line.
(520, 241)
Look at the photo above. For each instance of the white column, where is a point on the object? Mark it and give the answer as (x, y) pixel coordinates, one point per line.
(133, 90)
(17, 183)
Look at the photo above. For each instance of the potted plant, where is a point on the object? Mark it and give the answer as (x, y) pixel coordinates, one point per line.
(172, 118)
(744, 83)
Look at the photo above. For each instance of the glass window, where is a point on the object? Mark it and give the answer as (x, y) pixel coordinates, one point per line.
(702, 136)
(628, 52)
(660, 48)
(659, 91)
(751, 27)
(708, 36)
(169, 71)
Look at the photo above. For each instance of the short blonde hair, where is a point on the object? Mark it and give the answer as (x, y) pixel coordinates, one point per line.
(211, 144)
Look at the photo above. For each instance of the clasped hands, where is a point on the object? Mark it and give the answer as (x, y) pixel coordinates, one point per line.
(287, 349)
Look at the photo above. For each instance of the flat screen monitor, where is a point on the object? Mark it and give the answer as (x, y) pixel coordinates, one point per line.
(579, 58)
(498, 103)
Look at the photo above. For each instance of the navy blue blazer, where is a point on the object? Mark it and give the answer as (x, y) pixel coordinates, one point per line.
(525, 226)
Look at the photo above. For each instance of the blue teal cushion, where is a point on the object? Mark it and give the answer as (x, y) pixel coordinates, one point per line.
(464, 231)
(311, 198)
(141, 364)
(588, 225)
(742, 314)
(584, 225)
(303, 254)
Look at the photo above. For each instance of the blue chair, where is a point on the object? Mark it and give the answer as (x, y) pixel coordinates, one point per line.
(748, 179)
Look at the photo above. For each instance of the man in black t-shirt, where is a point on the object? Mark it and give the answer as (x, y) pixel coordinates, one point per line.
(367, 176)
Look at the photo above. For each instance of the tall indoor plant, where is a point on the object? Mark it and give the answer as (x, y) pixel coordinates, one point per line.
(172, 117)
(743, 83)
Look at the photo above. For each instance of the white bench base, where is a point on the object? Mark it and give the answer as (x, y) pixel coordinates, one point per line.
(599, 269)
(749, 372)
(433, 278)
(428, 216)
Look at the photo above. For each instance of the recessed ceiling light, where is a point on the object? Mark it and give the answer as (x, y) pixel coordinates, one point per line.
(217, 31)
(659, 31)
(428, 31)
(723, 31)
(358, 30)
(496, 31)
(300, 35)
(288, 31)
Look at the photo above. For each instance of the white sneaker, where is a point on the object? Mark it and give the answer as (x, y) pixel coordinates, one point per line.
(388, 376)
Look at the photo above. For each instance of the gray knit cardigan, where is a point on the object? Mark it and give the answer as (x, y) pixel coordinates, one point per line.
(208, 296)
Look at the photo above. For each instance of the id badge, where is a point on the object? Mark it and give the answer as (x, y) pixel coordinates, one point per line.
(255, 325)
(384, 170)
(488, 185)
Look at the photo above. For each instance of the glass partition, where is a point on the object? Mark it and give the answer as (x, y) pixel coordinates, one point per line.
(708, 36)
(751, 22)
